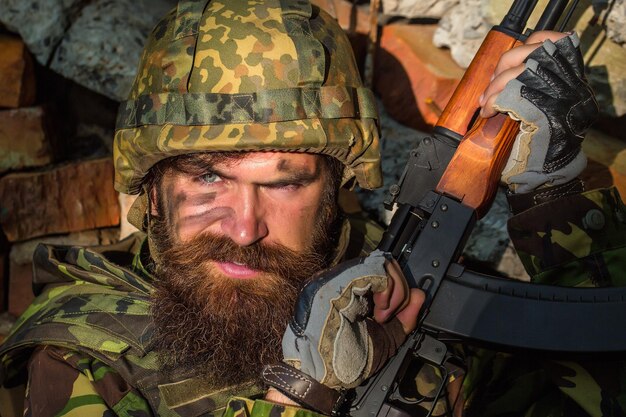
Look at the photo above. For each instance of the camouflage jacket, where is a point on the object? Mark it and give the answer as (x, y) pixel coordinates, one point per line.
(102, 363)
(578, 241)
(90, 329)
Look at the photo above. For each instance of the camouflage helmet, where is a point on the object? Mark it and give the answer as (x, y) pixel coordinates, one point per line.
(275, 75)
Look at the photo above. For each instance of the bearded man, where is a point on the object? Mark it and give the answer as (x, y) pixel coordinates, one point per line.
(245, 120)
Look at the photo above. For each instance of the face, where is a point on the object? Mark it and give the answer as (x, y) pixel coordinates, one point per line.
(235, 237)
(262, 197)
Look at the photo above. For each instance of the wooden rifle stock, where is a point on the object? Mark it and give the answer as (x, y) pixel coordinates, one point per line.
(463, 104)
(474, 171)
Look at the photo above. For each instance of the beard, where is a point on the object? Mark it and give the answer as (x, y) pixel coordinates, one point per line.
(222, 328)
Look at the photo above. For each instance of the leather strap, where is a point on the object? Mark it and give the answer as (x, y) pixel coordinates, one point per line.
(301, 388)
(521, 202)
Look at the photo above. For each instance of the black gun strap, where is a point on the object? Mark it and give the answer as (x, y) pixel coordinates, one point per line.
(302, 388)
(515, 314)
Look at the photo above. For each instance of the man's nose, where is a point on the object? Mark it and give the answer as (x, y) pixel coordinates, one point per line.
(247, 223)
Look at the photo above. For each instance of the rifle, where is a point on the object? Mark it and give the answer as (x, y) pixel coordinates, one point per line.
(449, 181)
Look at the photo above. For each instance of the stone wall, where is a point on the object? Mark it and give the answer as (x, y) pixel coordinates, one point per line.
(95, 43)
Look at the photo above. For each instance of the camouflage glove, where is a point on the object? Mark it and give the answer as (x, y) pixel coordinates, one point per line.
(556, 106)
(333, 342)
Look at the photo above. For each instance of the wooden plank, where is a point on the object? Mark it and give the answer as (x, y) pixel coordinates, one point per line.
(20, 288)
(4, 280)
(74, 197)
(4, 272)
(414, 78)
(23, 139)
(17, 77)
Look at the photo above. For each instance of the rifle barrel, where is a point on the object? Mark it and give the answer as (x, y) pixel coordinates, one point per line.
(551, 15)
(517, 16)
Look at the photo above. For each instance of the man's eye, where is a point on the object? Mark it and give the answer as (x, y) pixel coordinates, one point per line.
(210, 178)
(287, 186)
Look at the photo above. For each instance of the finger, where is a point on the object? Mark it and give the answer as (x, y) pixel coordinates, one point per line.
(542, 35)
(497, 85)
(382, 299)
(395, 297)
(408, 316)
(399, 296)
(516, 56)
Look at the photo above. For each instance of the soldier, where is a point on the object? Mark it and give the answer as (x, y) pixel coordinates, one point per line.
(244, 121)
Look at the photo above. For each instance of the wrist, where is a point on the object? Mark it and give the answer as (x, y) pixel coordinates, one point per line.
(278, 397)
(300, 389)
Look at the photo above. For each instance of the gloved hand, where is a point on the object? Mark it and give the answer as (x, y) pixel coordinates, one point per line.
(347, 323)
(543, 85)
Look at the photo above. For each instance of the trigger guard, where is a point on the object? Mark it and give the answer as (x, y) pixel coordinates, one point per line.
(397, 397)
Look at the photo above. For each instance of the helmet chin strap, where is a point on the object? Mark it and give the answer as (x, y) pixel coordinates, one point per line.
(139, 213)
(147, 222)
(140, 216)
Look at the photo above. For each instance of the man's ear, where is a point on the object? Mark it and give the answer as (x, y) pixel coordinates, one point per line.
(153, 206)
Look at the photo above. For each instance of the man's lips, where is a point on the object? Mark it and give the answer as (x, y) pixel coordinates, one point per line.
(239, 271)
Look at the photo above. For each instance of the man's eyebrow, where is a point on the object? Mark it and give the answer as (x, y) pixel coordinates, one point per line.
(218, 172)
(283, 165)
(295, 177)
(288, 176)
(198, 164)
(295, 174)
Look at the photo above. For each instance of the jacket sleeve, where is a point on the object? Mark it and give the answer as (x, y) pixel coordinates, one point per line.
(244, 407)
(63, 382)
(578, 240)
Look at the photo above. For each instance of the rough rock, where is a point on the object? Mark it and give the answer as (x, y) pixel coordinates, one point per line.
(616, 22)
(101, 48)
(95, 43)
(433, 9)
(23, 139)
(17, 77)
(83, 121)
(462, 30)
(490, 238)
(41, 23)
(512, 265)
(396, 142)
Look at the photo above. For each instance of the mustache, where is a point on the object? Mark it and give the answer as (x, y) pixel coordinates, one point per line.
(272, 258)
